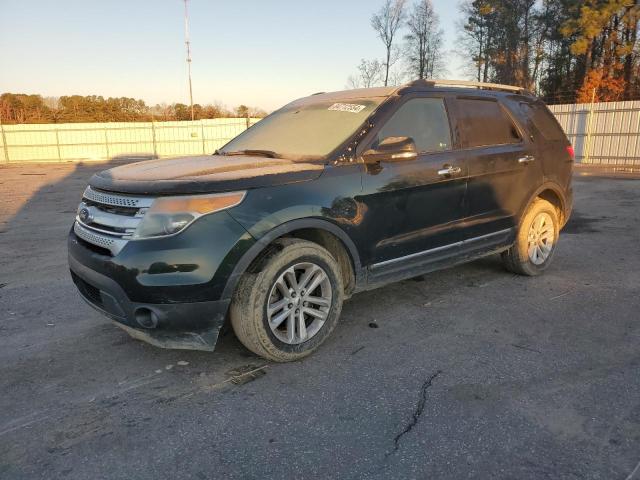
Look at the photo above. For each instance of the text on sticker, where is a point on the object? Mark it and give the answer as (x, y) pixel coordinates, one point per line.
(347, 107)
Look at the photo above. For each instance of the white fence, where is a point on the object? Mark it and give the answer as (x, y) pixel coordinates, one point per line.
(101, 141)
(602, 133)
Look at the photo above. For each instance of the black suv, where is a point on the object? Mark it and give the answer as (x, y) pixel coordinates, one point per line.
(330, 195)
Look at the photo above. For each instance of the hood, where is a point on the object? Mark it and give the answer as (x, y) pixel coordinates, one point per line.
(203, 174)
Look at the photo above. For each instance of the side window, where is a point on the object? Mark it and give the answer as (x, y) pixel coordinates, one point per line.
(543, 120)
(423, 119)
(485, 123)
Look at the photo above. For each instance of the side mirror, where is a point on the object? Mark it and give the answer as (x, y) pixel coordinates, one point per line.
(392, 149)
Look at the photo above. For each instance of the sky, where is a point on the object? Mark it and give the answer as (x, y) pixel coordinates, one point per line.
(261, 53)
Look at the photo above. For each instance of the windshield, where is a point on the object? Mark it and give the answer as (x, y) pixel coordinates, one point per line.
(304, 132)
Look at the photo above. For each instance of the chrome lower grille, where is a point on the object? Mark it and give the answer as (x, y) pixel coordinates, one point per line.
(114, 245)
(109, 220)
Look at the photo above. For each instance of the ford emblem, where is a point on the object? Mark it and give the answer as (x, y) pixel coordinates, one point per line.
(84, 215)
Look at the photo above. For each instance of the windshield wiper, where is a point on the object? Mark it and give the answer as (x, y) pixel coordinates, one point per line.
(261, 153)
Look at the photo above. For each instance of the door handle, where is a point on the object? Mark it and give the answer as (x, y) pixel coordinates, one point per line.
(449, 170)
(526, 159)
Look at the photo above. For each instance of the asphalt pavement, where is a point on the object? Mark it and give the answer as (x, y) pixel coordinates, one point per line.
(470, 372)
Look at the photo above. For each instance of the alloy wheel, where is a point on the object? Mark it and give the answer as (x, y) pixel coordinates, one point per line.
(299, 303)
(540, 239)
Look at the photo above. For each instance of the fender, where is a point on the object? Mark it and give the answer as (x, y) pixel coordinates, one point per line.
(262, 243)
(548, 185)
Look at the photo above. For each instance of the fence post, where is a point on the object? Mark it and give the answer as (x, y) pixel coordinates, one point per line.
(587, 142)
(58, 145)
(153, 136)
(204, 148)
(5, 147)
(248, 121)
(106, 142)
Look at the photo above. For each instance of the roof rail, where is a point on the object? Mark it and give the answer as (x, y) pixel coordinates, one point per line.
(479, 85)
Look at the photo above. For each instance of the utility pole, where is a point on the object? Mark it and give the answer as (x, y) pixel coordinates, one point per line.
(188, 44)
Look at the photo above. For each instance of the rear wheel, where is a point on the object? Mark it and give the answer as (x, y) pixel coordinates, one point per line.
(289, 307)
(536, 240)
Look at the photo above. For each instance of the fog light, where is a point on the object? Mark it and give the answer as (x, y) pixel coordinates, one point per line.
(146, 318)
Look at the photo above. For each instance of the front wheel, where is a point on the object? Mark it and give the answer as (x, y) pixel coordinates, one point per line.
(288, 308)
(536, 240)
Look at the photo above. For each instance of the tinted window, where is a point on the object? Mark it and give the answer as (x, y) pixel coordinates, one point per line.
(485, 123)
(423, 119)
(544, 121)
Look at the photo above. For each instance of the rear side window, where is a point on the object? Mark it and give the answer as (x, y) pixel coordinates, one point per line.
(423, 119)
(485, 123)
(543, 120)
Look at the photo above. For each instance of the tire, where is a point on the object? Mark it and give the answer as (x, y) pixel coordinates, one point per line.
(263, 286)
(522, 258)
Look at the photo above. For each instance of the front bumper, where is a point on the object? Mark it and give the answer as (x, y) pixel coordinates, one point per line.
(192, 326)
(168, 292)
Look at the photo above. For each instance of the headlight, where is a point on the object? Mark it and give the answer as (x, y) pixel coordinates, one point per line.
(169, 215)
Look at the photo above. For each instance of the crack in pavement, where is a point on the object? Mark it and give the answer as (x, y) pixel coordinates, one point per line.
(635, 470)
(416, 413)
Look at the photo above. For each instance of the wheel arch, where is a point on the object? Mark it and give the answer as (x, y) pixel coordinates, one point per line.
(552, 193)
(323, 232)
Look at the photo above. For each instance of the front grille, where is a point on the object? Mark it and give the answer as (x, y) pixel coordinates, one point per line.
(87, 235)
(125, 211)
(114, 199)
(87, 290)
(108, 220)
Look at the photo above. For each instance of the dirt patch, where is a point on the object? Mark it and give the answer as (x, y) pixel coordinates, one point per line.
(246, 374)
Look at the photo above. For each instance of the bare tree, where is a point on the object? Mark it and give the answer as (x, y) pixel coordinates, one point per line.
(369, 74)
(386, 23)
(397, 77)
(424, 41)
(477, 36)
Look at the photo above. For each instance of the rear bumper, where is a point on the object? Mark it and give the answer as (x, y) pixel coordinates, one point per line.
(193, 326)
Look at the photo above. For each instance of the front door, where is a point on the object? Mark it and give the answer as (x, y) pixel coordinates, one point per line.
(414, 209)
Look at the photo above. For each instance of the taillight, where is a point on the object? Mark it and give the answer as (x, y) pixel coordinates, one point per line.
(571, 152)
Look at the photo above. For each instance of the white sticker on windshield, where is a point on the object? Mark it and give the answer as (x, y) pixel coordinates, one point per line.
(347, 107)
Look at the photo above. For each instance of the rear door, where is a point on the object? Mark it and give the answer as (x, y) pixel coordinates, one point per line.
(503, 168)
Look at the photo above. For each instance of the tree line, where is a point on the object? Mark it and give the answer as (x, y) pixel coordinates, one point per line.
(563, 50)
(21, 108)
